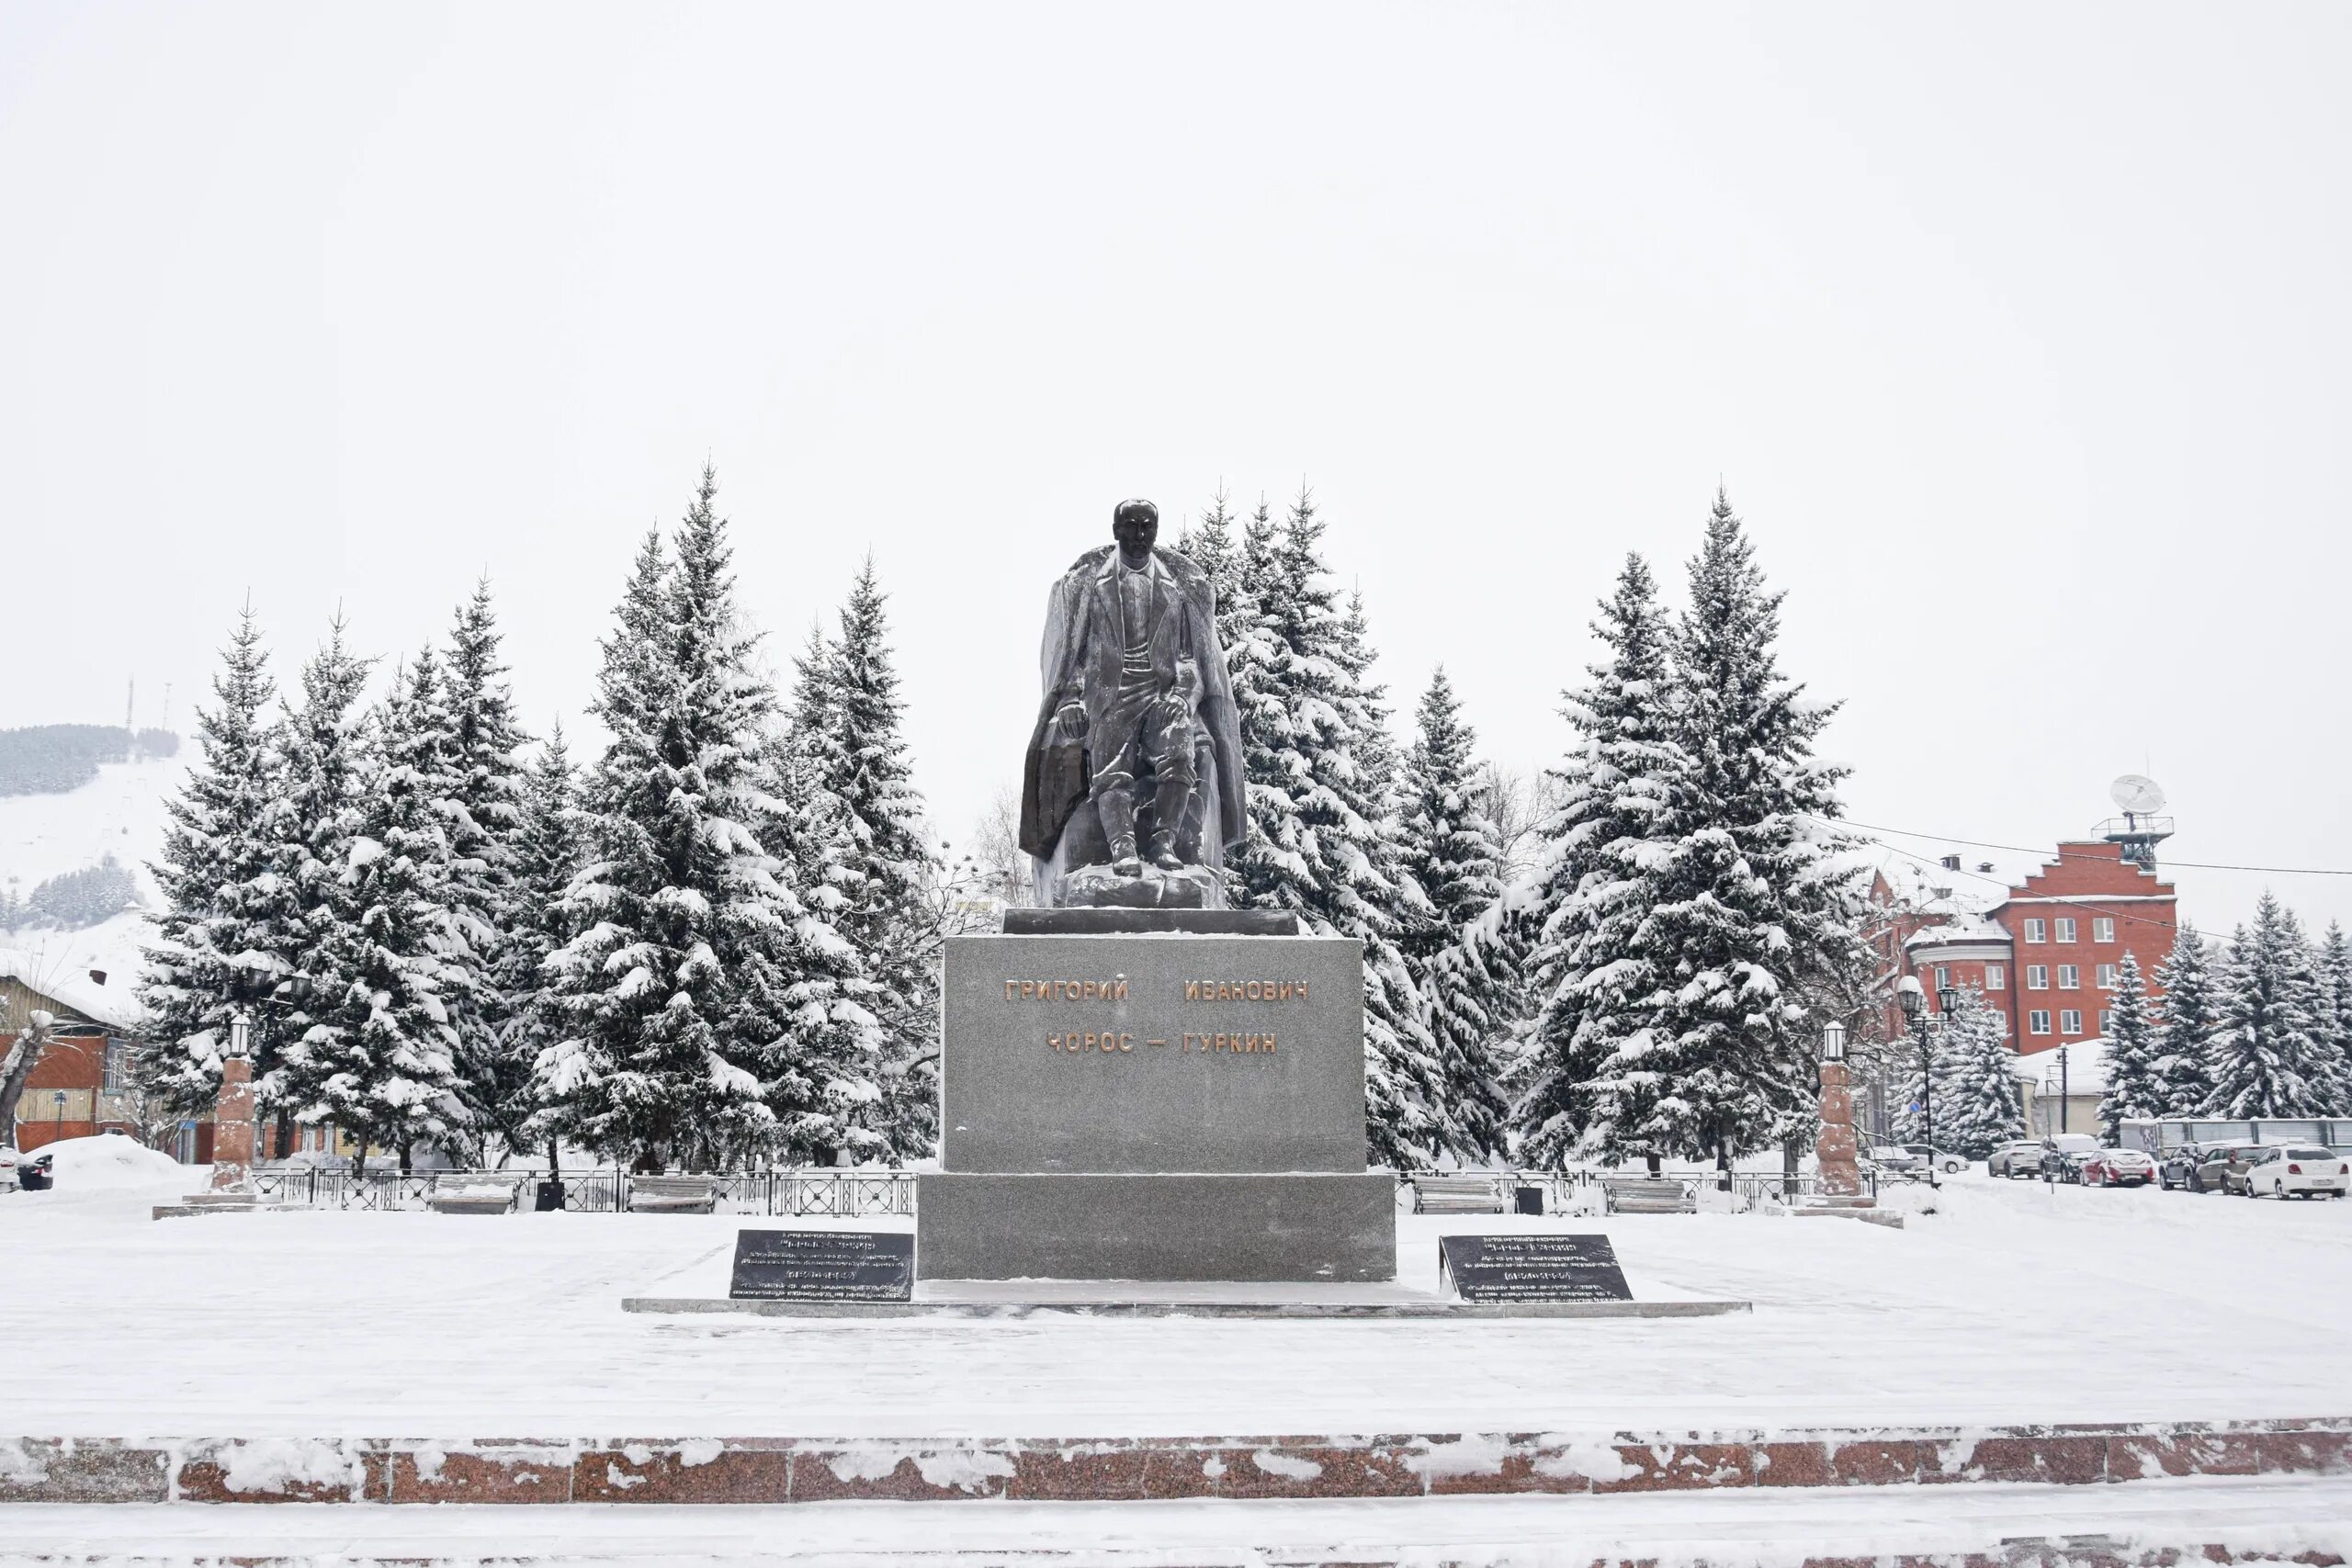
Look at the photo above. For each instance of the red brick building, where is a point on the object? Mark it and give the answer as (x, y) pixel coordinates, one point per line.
(2047, 954)
(76, 1089)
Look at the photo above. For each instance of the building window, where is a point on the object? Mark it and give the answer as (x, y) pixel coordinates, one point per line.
(2038, 1021)
(1943, 977)
(1996, 977)
(2103, 928)
(2070, 977)
(2109, 976)
(2065, 927)
(2106, 1020)
(118, 1063)
(2035, 930)
(2037, 976)
(2070, 1021)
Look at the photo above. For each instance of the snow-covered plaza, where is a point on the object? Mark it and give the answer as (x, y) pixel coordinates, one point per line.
(2015, 1304)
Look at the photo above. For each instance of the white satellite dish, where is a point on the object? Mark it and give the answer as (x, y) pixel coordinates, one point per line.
(2136, 793)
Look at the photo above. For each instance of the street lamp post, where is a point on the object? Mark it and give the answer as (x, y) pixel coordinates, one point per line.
(1914, 1000)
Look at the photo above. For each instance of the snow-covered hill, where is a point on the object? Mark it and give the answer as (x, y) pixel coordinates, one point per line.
(120, 813)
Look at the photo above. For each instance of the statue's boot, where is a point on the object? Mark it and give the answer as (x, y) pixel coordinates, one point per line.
(1118, 811)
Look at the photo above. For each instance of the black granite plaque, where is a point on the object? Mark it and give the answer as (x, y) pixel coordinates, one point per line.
(823, 1266)
(1532, 1268)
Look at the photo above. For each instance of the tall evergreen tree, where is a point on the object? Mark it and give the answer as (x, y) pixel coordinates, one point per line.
(1596, 966)
(2262, 1054)
(2136, 1090)
(378, 1056)
(1211, 544)
(1451, 852)
(852, 721)
(547, 856)
(1755, 901)
(313, 822)
(2335, 1021)
(1318, 844)
(212, 959)
(486, 823)
(707, 1011)
(2190, 1014)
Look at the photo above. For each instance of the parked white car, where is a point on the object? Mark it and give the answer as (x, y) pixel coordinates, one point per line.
(1944, 1160)
(2299, 1171)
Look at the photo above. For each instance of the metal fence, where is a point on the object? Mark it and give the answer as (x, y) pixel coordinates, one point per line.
(1560, 1189)
(843, 1194)
(854, 1194)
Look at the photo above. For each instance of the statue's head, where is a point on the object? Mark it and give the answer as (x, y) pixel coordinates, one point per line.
(1136, 525)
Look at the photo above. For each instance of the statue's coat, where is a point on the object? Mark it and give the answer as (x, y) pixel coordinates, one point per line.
(1078, 664)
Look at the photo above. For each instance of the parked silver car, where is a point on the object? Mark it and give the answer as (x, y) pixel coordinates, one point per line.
(2020, 1158)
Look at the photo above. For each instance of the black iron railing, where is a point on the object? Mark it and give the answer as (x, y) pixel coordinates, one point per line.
(854, 1194)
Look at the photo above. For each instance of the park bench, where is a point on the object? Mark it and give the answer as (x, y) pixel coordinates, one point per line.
(672, 1195)
(475, 1192)
(1647, 1195)
(1457, 1195)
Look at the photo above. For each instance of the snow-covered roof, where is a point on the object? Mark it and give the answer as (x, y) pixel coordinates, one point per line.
(111, 1004)
(2086, 1068)
(1936, 890)
(1957, 929)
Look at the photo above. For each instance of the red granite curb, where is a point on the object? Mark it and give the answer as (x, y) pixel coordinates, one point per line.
(807, 1469)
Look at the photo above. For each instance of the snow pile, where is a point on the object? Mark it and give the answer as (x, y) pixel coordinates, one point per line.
(111, 1163)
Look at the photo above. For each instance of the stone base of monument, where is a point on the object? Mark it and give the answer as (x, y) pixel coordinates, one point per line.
(1205, 1298)
(1099, 886)
(1316, 1225)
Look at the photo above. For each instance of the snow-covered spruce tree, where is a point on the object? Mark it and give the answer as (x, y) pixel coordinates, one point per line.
(546, 849)
(1978, 1104)
(211, 959)
(378, 1055)
(1596, 970)
(884, 864)
(1210, 545)
(313, 818)
(2336, 1019)
(2261, 1055)
(1448, 849)
(1317, 844)
(486, 822)
(1753, 897)
(2136, 1090)
(702, 1020)
(2189, 1016)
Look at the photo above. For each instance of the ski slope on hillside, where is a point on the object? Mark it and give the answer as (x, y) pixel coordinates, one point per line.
(121, 813)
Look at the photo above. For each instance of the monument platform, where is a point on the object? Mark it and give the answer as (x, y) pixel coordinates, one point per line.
(1162, 1105)
(1212, 1298)
(1304, 1226)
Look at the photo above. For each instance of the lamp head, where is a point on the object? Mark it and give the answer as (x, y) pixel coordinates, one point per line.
(1909, 996)
(1833, 1042)
(1947, 999)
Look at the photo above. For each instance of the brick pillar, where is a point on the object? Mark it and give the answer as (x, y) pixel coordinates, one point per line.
(1839, 1175)
(232, 1128)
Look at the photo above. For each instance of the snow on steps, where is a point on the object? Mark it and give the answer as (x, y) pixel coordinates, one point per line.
(2158, 1525)
(775, 1471)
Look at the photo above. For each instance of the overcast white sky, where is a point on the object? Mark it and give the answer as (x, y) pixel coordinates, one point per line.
(2018, 333)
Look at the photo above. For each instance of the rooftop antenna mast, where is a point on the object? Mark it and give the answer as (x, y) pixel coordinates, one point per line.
(2139, 830)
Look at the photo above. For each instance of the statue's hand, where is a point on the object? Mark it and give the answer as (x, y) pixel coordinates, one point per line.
(1069, 722)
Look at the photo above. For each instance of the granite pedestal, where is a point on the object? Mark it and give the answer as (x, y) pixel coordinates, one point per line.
(1154, 1108)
